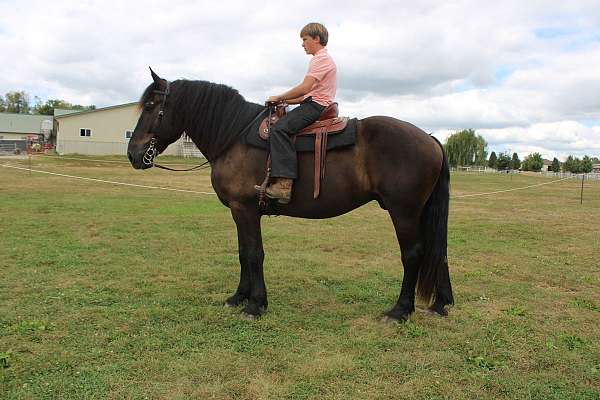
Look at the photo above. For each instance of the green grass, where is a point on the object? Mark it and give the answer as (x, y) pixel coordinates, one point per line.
(117, 292)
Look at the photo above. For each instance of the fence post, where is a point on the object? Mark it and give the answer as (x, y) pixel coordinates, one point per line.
(582, 179)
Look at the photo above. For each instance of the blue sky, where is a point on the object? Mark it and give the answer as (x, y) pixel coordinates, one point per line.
(524, 75)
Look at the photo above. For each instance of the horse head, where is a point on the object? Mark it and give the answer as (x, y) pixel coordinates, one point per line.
(156, 128)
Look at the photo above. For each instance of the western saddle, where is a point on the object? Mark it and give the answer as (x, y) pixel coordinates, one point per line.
(329, 123)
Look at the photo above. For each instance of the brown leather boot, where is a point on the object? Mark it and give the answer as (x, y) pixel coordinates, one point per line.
(281, 190)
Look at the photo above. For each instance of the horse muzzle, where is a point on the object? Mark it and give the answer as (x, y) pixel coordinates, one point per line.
(142, 157)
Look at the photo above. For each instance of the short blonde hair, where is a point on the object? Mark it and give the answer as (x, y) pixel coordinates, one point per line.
(315, 29)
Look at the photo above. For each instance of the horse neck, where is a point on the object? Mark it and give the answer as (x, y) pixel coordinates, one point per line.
(218, 136)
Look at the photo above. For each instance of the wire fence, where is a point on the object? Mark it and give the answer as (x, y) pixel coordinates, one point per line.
(108, 161)
(475, 170)
(560, 179)
(587, 176)
(105, 181)
(512, 189)
(595, 176)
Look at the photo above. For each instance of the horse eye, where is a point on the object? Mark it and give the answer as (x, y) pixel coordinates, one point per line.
(149, 105)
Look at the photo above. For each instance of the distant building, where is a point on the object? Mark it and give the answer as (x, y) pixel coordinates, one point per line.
(547, 165)
(103, 131)
(17, 129)
(596, 168)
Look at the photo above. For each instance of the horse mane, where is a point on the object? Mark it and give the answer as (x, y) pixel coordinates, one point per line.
(213, 115)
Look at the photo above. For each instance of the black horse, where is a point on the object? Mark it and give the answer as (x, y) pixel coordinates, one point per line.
(393, 162)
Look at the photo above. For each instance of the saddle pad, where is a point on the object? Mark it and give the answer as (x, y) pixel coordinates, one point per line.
(346, 137)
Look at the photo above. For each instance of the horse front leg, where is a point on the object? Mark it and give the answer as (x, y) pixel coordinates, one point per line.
(251, 254)
(243, 291)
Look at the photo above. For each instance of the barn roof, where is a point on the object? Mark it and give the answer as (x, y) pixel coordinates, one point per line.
(59, 113)
(22, 123)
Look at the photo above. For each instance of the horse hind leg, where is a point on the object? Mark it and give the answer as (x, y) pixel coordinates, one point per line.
(443, 293)
(413, 249)
(412, 254)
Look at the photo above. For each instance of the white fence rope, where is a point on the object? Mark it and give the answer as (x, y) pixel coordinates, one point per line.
(511, 190)
(84, 159)
(106, 161)
(105, 181)
(212, 193)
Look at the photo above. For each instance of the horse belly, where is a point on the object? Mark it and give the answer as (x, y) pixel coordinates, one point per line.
(344, 187)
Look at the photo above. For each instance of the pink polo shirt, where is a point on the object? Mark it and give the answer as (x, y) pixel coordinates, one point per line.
(323, 69)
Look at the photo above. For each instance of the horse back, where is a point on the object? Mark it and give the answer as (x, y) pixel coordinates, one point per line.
(390, 157)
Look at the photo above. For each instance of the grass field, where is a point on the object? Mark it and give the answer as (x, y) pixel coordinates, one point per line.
(115, 292)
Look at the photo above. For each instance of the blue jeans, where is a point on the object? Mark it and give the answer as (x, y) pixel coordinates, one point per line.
(284, 163)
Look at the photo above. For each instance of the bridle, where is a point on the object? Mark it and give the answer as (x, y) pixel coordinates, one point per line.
(151, 151)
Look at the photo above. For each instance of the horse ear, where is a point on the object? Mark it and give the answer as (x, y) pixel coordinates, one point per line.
(155, 77)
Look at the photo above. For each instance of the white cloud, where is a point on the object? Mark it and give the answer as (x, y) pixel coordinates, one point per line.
(554, 139)
(523, 74)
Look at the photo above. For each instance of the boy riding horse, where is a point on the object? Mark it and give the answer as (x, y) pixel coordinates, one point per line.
(314, 94)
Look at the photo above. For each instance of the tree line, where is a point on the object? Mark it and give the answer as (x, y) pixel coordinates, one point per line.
(18, 102)
(467, 148)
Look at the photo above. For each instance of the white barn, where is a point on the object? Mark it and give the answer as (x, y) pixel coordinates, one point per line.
(105, 131)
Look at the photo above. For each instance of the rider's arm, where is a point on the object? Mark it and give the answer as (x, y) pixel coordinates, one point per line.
(297, 91)
(297, 100)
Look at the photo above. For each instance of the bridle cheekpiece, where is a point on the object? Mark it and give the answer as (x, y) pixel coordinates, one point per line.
(151, 152)
(164, 93)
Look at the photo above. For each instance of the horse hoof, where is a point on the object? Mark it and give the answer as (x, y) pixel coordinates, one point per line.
(251, 312)
(387, 319)
(248, 317)
(234, 301)
(437, 311)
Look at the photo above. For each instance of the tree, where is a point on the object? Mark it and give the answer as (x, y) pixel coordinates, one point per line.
(503, 162)
(568, 164)
(17, 102)
(492, 162)
(573, 165)
(586, 165)
(515, 163)
(533, 162)
(2, 104)
(48, 107)
(466, 148)
(555, 165)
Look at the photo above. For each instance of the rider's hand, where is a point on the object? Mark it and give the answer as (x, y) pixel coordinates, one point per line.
(274, 99)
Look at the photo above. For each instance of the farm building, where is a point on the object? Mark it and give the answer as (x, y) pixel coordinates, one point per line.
(105, 131)
(17, 129)
(547, 165)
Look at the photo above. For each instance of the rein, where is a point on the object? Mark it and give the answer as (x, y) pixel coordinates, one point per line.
(201, 166)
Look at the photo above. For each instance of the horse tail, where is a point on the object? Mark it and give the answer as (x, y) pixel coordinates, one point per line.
(434, 277)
